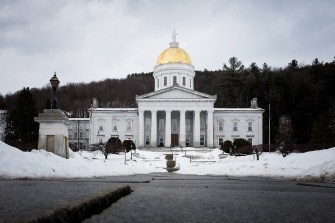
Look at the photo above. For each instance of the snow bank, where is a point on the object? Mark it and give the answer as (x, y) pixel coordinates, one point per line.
(311, 165)
(15, 163)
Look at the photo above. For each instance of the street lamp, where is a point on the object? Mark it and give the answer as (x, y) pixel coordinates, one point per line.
(54, 84)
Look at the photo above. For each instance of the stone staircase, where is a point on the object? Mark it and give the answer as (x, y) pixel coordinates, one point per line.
(171, 154)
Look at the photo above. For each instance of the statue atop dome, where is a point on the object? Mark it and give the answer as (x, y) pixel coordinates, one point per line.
(174, 36)
(174, 42)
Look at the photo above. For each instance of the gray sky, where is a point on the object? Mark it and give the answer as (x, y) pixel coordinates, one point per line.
(86, 41)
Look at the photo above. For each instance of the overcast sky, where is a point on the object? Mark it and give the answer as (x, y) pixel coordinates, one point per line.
(86, 41)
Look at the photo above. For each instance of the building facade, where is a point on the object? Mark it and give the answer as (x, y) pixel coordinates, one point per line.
(79, 130)
(175, 114)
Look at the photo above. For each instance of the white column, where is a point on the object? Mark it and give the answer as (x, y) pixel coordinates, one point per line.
(209, 129)
(141, 128)
(196, 129)
(153, 137)
(168, 128)
(182, 132)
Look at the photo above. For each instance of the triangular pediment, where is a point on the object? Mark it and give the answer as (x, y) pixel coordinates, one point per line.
(176, 92)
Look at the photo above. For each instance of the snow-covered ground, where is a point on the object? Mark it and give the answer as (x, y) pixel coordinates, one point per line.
(316, 165)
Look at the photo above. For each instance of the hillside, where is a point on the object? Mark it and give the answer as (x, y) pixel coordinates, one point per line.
(302, 97)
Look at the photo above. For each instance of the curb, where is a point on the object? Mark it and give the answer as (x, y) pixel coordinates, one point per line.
(80, 211)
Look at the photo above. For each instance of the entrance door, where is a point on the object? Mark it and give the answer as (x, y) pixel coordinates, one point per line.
(174, 140)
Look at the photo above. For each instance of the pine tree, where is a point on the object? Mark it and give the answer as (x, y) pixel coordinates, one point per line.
(21, 129)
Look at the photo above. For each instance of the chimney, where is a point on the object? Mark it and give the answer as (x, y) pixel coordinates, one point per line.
(95, 103)
(253, 103)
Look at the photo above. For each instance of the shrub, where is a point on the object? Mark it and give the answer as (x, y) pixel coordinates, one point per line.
(227, 146)
(246, 149)
(239, 143)
(129, 145)
(113, 146)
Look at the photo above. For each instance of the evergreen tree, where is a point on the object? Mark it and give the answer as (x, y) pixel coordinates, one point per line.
(254, 69)
(2, 102)
(293, 65)
(21, 129)
(234, 66)
(265, 68)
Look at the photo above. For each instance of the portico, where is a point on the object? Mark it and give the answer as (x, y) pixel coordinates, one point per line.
(175, 121)
(176, 131)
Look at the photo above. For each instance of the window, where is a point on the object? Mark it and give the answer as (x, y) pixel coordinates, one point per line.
(157, 83)
(129, 125)
(161, 125)
(174, 125)
(147, 140)
(81, 134)
(202, 123)
(220, 141)
(184, 81)
(235, 127)
(188, 140)
(250, 141)
(202, 140)
(161, 142)
(75, 135)
(114, 124)
(188, 125)
(147, 123)
(220, 125)
(174, 80)
(249, 126)
(165, 81)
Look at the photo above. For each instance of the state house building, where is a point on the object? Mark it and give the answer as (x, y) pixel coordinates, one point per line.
(175, 114)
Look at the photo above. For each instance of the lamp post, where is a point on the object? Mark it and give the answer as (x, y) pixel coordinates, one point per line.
(54, 84)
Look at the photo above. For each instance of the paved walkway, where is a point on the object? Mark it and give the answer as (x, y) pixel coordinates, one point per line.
(167, 198)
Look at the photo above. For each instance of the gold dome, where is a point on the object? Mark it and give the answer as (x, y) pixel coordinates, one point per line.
(174, 55)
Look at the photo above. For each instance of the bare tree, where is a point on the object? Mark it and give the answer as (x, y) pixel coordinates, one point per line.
(258, 149)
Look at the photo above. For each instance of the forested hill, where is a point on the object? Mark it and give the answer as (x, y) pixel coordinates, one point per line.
(302, 97)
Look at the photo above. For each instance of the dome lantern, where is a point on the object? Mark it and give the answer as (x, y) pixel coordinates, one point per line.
(174, 67)
(174, 54)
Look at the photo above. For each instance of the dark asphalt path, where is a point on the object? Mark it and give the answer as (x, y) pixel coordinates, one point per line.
(179, 198)
(176, 198)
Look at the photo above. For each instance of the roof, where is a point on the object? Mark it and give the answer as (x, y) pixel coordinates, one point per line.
(151, 95)
(79, 119)
(114, 109)
(238, 109)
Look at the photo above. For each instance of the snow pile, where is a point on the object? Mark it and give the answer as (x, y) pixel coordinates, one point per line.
(15, 163)
(41, 164)
(311, 165)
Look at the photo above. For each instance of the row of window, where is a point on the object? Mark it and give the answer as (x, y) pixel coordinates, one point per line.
(161, 126)
(81, 126)
(235, 126)
(174, 81)
(129, 125)
(75, 135)
(188, 139)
